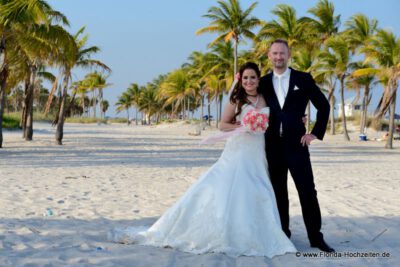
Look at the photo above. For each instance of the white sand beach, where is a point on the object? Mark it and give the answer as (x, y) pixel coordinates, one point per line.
(58, 202)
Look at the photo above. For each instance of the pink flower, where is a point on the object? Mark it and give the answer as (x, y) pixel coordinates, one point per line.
(255, 122)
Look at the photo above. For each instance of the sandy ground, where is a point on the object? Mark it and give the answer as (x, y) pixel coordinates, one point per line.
(58, 202)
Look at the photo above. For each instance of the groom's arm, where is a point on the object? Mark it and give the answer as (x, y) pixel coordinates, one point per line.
(320, 102)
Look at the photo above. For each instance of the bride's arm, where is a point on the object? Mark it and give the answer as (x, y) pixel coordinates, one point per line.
(227, 120)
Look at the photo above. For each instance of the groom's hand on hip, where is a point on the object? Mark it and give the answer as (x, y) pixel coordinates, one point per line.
(307, 138)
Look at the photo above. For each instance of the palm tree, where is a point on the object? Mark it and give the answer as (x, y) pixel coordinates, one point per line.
(359, 30)
(365, 82)
(219, 64)
(287, 27)
(96, 81)
(384, 50)
(150, 103)
(80, 57)
(104, 105)
(26, 25)
(215, 86)
(124, 103)
(197, 70)
(134, 91)
(232, 23)
(338, 51)
(175, 89)
(325, 23)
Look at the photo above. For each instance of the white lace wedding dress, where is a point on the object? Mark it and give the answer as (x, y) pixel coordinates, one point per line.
(231, 209)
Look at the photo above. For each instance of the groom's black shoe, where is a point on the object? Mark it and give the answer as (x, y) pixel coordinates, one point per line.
(322, 246)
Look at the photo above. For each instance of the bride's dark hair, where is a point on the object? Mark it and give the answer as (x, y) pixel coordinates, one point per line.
(239, 95)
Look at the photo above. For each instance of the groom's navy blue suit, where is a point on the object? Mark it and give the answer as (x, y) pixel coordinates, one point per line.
(285, 152)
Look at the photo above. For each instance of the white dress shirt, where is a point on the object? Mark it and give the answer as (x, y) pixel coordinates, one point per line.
(281, 85)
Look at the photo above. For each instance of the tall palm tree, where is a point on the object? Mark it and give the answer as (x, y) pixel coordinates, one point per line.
(232, 23)
(124, 103)
(24, 23)
(365, 82)
(287, 27)
(104, 105)
(325, 23)
(338, 51)
(384, 50)
(359, 30)
(134, 91)
(149, 102)
(197, 70)
(96, 81)
(175, 89)
(80, 57)
(42, 45)
(215, 85)
(219, 63)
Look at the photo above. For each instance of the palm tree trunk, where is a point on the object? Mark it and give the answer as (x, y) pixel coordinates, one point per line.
(101, 101)
(136, 116)
(3, 79)
(385, 102)
(127, 116)
(363, 123)
(83, 104)
(23, 114)
(202, 108)
(29, 104)
(332, 114)
(308, 126)
(60, 122)
(217, 109)
(345, 133)
(221, 97)
(184, 108)
(235, 63)
(209, 110)
(392, 110)
(94, 103)
(51, 95)
(188, 108)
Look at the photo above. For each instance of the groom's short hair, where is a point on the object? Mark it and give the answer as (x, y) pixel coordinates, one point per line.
(280, 41)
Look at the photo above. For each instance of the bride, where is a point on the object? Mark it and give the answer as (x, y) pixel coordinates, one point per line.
(231, 209)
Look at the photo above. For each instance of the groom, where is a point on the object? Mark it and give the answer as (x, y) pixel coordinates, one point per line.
(287, 92)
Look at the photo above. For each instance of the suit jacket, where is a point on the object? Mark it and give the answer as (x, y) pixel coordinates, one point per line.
(302, 88)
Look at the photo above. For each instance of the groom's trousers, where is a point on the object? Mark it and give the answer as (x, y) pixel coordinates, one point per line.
(283, 156)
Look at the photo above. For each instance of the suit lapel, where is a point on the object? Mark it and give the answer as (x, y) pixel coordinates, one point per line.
(291, 87)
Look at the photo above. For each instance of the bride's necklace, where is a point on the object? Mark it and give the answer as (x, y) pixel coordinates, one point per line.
(254, 104)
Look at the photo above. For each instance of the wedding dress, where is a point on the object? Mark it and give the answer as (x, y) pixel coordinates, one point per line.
(231, 209)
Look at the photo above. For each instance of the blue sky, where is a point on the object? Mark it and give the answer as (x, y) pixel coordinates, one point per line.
(143, 39)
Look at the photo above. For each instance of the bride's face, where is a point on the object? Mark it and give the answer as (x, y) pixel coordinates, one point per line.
(250, 81)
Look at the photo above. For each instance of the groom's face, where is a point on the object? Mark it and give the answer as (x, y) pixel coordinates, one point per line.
(279, 55)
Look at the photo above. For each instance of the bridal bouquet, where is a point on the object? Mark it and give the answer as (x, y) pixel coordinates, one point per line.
(255, 121)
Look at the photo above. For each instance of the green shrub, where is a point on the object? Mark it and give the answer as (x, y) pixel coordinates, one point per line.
(85, 120)
(117, 120)
(10, 122)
